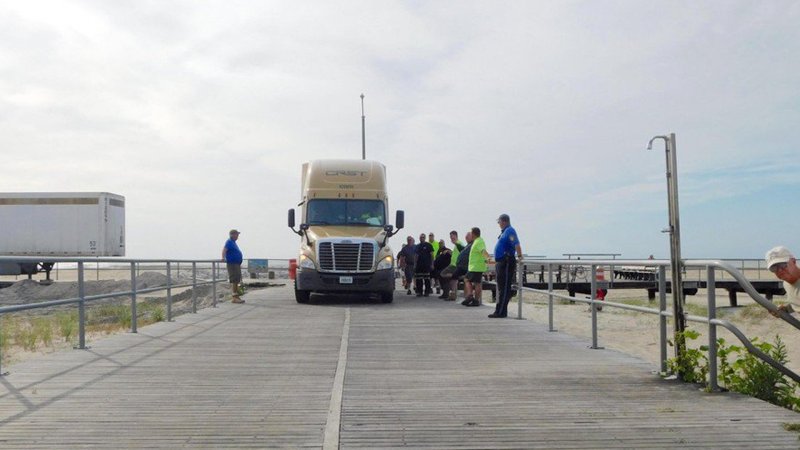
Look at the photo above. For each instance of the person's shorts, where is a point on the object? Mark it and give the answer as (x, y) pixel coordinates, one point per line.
(408, 272)
(234, 273)
(474, 277)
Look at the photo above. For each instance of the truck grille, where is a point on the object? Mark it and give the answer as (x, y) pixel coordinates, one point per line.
(346, 257)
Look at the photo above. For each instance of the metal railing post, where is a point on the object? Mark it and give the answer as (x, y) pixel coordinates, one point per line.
(594, 307)
(169, 292)
(1, 346)
(214, 284)
(550, 297)
(712, 331)
(81, 308)
(194, 287)
(662, 319)
(133, 297)
(520, 278)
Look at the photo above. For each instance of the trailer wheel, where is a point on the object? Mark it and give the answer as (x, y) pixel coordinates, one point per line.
(387, 297)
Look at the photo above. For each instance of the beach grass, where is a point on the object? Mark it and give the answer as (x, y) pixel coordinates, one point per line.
(31, 333)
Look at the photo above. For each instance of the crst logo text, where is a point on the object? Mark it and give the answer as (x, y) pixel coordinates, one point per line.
(345, 173)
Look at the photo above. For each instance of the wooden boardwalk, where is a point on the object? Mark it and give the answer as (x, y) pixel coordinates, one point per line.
(416, 373)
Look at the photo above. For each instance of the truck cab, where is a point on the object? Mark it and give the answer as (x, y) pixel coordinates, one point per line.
(344, 230)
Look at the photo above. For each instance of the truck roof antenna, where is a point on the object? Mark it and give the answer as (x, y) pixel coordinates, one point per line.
(363, 132)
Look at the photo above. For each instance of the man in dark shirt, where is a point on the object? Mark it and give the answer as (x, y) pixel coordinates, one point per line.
(462, 267)
(422, 269)
(406, 259)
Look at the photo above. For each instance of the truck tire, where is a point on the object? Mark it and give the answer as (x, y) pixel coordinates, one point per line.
(301, 296)
(387, 297)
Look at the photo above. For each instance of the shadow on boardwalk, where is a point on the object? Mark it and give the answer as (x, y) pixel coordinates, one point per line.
(419, 373)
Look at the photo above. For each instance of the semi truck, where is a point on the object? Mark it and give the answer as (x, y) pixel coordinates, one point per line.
(59, 224)
(344, 230)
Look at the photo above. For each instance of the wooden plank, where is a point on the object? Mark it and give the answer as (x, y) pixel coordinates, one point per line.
(252, 376)
(420, 373)
(427, 373)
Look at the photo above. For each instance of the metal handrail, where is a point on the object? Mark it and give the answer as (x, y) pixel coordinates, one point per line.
(46, 304)
(82, 298)
(91, 259)
(663, 312)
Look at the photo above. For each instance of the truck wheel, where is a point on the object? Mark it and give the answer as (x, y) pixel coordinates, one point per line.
(301, 296)
(387, 297)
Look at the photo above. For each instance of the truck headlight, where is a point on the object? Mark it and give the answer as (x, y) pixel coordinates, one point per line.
(306, 262)
(386, 263)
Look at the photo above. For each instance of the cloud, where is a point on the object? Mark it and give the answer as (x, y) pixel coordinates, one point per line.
(202, 113)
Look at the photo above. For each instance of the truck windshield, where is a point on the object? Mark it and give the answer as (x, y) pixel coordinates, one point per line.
(346, 212)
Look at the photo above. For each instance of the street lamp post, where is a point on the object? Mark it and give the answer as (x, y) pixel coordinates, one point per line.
(674, 230)
(363, 132)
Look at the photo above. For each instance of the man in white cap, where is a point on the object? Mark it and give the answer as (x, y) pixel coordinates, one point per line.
(232, 256)
(783, 264)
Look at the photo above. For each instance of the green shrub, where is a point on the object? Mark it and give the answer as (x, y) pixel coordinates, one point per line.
(67, 324)
(740, 371)
(43, 329)
(751, 376)
(123, 316)
(26, 336)
(111, 314)
(692, 366)
(157, 313)
(7, 326)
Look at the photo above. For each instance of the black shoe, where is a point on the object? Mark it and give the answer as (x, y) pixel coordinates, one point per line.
(466, 301)
(496, 316)
(419, 295)
(474, 302)
(408, 292)
(442, 297)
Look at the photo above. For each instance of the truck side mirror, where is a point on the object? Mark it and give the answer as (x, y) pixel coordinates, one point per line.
(399, 220)
(291, 223)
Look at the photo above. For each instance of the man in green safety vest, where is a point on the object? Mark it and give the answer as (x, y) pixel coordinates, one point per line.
(448, 281)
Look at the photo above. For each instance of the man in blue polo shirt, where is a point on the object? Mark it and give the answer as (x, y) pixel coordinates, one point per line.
(233, 260)
(505, 264)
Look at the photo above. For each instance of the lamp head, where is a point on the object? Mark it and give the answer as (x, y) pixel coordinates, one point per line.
(650, 144)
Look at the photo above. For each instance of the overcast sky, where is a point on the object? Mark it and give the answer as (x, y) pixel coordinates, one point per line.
(201, 114)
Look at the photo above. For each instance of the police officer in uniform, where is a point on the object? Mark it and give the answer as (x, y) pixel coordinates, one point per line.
(505, 264)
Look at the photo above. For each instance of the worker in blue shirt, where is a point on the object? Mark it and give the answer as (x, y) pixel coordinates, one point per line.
(233, 260)
(505, 264)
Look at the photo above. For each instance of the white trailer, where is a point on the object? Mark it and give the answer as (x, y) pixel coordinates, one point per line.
(60, 224)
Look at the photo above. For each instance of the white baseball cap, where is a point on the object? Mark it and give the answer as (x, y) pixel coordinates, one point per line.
(777, 255)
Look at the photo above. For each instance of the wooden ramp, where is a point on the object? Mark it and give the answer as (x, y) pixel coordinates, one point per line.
(419, 372)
